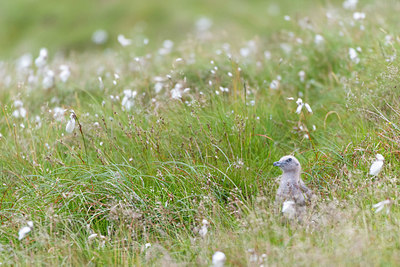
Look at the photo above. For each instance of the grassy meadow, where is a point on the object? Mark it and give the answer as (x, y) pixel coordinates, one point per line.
(183, 123)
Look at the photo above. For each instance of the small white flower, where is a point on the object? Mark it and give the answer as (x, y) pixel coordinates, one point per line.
(18, 103)
(274, 85)
(38, 122)
(308, 107)
(128, 99)
(289, 209)
(101, 84)
(41, 60)
(358, 16)
(71, 124)
(224, 89)
(92, 236)
(350, 4)
(302, 75)
(176, 93)
(353, 55)
(32, 79)
(267, 55)
(245, 51)
(379, 206)
(158, 79)
(300, 105)
(168, 44)
(167, 47)
(203, 24)
(24, 231)
(99, 37)
(147, 245)
(58, 113)
(158, 87)
(287, 18)
(24, 62)
(388, 39)
(287, 48)
(48, 79)
(377, 165)
(286, 205)
(203, 230)
(20, 111)
(123, 40)
(319, 39)
(65, 73)
(218, 259)
(253, 257)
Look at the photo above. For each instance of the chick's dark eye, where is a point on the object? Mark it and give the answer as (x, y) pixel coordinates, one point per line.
(289, 160)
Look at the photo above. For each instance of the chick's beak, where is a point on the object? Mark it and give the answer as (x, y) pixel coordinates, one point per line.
(277, 164)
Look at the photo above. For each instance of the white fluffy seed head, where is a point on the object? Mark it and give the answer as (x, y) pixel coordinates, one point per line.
(308, 107)
(23, 232)
(91, 237)
(123, 40)
(379, 206)
(377, 165)
(70, 125)
(218, 259)
(287, 205)
(299, 108)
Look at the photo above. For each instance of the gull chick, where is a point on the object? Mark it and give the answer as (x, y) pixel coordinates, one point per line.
(292, 191)
(377, 165)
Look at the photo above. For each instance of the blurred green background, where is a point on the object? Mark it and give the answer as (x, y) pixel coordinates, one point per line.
(27, 25)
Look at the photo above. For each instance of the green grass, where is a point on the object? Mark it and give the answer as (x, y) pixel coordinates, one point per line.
(153, 173)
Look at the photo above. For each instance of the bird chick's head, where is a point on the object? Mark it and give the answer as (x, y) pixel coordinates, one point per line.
(288, 164)
(380, 157)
